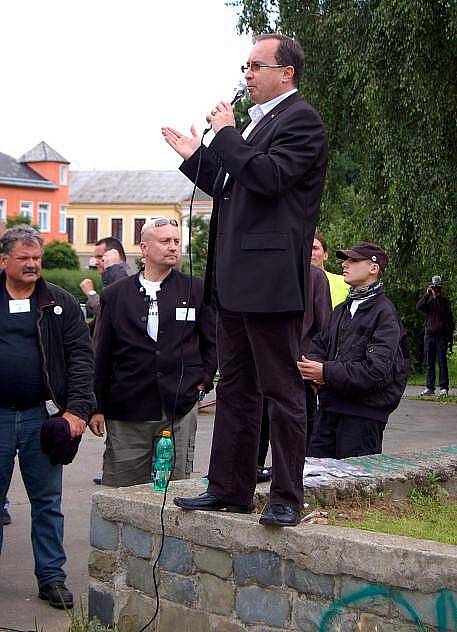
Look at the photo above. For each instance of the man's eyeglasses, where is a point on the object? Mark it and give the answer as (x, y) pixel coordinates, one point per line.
(255, 66)
(163, 221)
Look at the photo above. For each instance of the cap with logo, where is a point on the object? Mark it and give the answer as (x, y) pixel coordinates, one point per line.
(365, 250)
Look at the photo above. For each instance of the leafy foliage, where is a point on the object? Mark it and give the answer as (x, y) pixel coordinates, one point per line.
(70, 280)
(199, 243)
(59, 254)
(15, 220)
(383, 75)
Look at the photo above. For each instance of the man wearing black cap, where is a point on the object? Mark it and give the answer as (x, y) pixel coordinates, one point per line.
(439, 329)
(359, 364)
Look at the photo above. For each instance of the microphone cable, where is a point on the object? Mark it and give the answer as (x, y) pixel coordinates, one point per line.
(178, 387)
(240, 93)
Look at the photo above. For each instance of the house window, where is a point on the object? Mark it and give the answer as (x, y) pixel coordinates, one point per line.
(92, 230)
(44, 217)
(26, 208)
(116, 229)
(62, 218)
(139, 223)
(63, 174)
(3, 211)
(71, 230)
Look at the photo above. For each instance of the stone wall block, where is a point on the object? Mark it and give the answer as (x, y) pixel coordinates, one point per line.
(426, 606)
(257, 605)
(102, 565)
(103, 533)
(262, 567)
(306, 582)
(137, 541)
(176, 618)
(373, 623)
(364, 595)
(101, 605)
(216, 595)
(213, 561)
(176, 556)
(177, 588)
(139, 575)
(308, 612)
(136, 612)
(222, 624)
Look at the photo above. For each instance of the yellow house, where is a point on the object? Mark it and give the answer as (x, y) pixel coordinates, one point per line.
(117, 204)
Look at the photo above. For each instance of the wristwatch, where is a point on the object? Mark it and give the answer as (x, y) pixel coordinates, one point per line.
(91, 293)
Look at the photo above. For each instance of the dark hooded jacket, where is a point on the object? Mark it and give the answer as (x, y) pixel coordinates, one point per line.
(366, 359)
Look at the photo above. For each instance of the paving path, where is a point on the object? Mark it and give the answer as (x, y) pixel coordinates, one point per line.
(416, 424)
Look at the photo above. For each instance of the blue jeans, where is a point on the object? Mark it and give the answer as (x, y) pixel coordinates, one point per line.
(435, 348)
(20, 433)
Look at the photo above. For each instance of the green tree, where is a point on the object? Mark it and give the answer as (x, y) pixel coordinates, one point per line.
(15, 220)
(383, 75)
(199, 245)
(60, 254)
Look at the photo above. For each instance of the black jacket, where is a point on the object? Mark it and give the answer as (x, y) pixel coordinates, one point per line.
(439, 321)
(365, 358)
(65, 348)
(137, 377)
(264, 217)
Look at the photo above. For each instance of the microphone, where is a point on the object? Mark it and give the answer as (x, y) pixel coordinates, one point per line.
(241, 91)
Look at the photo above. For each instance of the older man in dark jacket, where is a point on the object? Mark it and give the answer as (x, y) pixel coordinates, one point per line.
(360, 363)
(46, 369)
(156, 352)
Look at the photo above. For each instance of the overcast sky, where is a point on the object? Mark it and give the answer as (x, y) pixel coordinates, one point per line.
(96, 79)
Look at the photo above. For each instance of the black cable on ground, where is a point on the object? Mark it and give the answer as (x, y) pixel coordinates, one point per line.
(178, 390)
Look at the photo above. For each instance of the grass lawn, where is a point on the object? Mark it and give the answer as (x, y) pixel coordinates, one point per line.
(423, 516)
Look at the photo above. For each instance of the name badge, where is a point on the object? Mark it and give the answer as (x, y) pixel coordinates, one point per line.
(18, 306)
(185, 313)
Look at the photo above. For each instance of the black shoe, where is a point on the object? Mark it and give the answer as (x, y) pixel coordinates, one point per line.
(209, 502)
(5, 517)
(57, 594)
(263, 474)
(97, 480)
(280, 516)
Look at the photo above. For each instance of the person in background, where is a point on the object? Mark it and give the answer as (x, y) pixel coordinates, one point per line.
(155, 334)
(359, 362)
(46, 369)
(110, 261)
(319, 255)
(439, 329)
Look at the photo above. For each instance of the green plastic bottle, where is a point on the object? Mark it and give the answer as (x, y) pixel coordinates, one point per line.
(163, 462)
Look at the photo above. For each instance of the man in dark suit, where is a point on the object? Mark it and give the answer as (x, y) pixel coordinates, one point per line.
(266, 183)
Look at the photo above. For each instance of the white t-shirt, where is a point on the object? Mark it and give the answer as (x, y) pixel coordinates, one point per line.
(151, 288)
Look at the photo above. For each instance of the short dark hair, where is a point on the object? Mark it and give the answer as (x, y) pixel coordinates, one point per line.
(322, 242)
(289, 53)
(112, 243)
(23, 233)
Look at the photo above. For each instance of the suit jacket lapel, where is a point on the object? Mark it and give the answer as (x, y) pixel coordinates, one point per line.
(272, 115)
(257, 129)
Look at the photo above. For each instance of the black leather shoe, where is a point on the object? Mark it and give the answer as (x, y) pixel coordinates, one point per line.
(263, 474)
(5, 518)
(97, 480)
(280, 516)
(57, 594)
(209, 502)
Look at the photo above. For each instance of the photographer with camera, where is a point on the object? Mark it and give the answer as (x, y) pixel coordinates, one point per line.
(439, 329)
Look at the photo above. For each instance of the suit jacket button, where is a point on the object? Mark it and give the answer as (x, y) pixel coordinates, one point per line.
(157, 352)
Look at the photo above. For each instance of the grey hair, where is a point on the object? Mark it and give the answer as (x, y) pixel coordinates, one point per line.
(23, 233)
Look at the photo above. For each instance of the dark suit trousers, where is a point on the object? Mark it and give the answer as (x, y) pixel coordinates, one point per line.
(257, 359)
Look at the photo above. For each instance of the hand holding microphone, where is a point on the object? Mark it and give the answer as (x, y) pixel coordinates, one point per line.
(222, 114)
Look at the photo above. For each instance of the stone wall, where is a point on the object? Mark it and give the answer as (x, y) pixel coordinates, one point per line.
(225, 573)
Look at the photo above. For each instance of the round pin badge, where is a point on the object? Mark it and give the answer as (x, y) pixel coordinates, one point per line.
(373, 258)
(58, 310)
